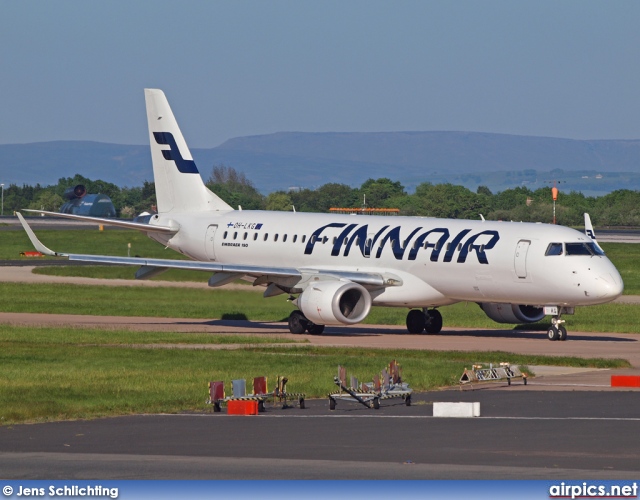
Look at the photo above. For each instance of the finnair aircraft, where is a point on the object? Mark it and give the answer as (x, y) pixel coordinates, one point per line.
(339, 266)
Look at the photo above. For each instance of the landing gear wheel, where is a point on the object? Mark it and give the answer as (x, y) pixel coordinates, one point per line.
(416, 321)
(314, 329)
(301, 403)
(297, 322)
(376, 404)
(562, 333)
(332, 404)
(434, 321)
(553, 333)
(407, 401)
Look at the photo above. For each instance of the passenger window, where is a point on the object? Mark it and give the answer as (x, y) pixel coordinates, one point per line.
(235, 235)
(554, 249)
(295, 237)
(255, 236)
(304, 237)
(266, 236)
(284, 238)
(313, 238)
(224, 236)
(245, 236)
(275, 237)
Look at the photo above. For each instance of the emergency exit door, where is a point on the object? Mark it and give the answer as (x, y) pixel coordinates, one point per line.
(209, 241)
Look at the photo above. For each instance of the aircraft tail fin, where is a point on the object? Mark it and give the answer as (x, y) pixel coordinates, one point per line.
(588, 229)
(179, 187)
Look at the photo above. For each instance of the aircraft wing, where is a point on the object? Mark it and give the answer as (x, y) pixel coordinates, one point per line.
(108, 222)
(224, 272)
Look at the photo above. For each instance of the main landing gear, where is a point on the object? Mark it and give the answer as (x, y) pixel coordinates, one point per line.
(429, 321)
(298, 324)
(557, 331)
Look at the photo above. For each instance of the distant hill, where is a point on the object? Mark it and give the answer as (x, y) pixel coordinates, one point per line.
(295, 159)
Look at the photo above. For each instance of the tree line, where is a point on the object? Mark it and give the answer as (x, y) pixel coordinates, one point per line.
(618, 208)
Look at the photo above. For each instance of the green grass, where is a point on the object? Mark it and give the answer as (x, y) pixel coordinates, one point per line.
(141, 301)
(89, 241)
(238, 304)
(626, 257)
(115, 337)
(53, 374)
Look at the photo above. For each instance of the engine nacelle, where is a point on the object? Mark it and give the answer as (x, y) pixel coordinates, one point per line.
(512, 313)
(335, 303)
(76, 192)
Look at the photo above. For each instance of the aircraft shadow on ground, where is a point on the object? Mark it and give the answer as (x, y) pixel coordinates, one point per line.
(517, 334)
(363, 331)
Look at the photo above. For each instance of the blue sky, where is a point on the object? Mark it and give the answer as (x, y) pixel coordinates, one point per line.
(75, 70)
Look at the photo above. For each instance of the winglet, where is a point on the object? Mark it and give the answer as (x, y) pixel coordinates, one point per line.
(34, 239)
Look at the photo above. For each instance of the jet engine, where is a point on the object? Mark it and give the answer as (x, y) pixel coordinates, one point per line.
(335, 303)
(512, 313)
(73, 193)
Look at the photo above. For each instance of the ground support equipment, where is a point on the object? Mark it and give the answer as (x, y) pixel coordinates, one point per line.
(217, 396)
(239, 393)
(280, 394)
(503, 372)
(388, 385)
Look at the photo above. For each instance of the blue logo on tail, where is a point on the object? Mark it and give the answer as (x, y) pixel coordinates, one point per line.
(173, 154)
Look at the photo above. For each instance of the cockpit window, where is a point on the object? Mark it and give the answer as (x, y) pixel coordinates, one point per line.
(554, 249)
(595, 249)
(577, 249)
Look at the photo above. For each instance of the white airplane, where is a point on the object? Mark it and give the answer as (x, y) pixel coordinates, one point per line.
(339, 266)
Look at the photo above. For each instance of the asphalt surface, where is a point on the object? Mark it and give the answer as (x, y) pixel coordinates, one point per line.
(521, 434)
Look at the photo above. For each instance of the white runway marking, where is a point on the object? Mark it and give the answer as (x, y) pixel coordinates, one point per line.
(429, 417)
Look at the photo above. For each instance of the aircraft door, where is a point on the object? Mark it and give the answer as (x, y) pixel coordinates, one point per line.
(209, 241)
(520, 259)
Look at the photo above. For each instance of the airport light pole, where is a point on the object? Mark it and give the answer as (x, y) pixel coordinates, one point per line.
(2, 186)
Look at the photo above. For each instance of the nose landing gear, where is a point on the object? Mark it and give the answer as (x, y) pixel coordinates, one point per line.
(557, 331)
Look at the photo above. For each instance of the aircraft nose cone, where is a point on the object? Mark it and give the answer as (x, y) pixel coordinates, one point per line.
(618, 285)
(611, 285)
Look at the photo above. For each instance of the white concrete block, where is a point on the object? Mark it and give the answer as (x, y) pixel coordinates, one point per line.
(456, 409)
